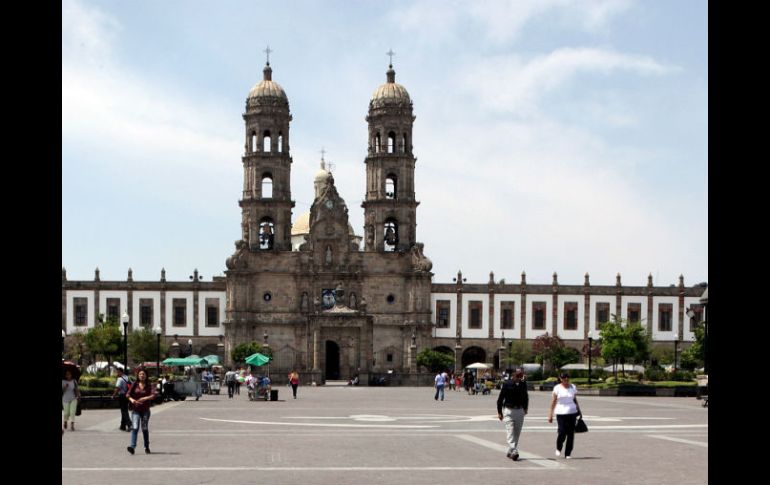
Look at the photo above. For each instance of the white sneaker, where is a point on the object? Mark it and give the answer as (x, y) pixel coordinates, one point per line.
(568, 457)
(558, 453)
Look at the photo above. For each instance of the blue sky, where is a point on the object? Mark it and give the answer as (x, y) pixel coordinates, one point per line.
(551, 135)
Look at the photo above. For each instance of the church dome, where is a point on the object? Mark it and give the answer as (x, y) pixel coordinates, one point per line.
(302, 225)
(390, 93)
(322, 175)
(267, 88)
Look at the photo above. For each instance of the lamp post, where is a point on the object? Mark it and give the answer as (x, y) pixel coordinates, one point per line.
(590, 351)
(189, 345)
(676, 348)
(158, 332)
(124, 321)
(63, 334)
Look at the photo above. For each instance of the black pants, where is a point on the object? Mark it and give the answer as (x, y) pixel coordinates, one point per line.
(125, 421)
(566, 430)
(294, 390)
(230, 388)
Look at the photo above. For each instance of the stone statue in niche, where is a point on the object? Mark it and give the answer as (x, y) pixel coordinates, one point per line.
(328, 255)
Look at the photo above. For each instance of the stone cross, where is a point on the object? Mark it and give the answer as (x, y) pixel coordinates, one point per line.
(391, 54)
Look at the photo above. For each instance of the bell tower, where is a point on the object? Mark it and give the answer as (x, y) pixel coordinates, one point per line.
(390, 208)
(266, 204)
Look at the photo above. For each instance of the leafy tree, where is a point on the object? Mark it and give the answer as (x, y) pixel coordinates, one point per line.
(565, 355)
(694, 356)
(244, 350)
(519, 352)
(105, 339)
(620, 342)
(544, 347)
(434, 360)
(143, 345)
(76, 347)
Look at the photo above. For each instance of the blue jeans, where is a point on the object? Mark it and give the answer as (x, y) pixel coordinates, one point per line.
(439, 392)
(144, 420)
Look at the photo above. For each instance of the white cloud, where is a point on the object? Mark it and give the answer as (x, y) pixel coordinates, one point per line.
(508, 83)
(499, 21)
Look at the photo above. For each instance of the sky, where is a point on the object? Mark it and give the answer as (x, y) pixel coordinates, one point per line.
(551, 135)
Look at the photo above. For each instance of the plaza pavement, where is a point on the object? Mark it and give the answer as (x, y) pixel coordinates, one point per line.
(389, 435)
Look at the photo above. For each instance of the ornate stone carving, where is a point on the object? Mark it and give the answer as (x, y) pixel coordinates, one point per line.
(420, 262)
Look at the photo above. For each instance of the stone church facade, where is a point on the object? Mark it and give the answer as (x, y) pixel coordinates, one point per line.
(332, 309)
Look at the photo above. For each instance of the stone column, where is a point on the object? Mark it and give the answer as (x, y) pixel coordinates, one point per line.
(316, 368)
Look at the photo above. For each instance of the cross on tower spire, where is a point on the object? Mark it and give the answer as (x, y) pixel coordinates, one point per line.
(268, 51)
(391, 54)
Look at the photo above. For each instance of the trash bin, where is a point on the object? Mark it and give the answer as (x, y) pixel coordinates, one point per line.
(274, 394)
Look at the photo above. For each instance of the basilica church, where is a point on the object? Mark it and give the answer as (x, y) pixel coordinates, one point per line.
(332, 304)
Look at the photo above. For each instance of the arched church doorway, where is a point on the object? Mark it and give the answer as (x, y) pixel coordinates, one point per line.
(332, 360)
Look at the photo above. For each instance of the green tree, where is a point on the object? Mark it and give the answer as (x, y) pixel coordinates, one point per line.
(434, 360)
(622, 341)
(565, 355)
(240, 352)
(694, 356)
(76, 347)
(640, 340)
(105, 339)
(544, 347)
(143, 345)
(519, 352)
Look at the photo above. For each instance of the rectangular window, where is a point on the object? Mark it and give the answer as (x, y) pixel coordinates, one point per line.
(475, 314)
(665, 311)
(180, 312)
(390, 358)
(442, 313)
(602, 313)
(113, 308)
(634, 312)
(81, 311)
(570, 316)
(212, 312)
(145, 312)
(506, 317)
(538, 311)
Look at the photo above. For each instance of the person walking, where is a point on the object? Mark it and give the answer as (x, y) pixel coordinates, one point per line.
(294, 381)
(140, 396)
(438, 383)
(70, 394)
(512, 406)
(565, 404)
(230, 381)
(122, 384)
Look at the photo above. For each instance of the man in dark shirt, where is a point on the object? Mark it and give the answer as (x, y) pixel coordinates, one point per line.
(512, 405)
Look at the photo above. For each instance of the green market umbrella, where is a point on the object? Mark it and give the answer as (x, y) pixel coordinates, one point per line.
(212, 359)
(257, 359)
(191, 361)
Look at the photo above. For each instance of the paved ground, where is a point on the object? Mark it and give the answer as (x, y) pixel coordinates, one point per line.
(384, 435)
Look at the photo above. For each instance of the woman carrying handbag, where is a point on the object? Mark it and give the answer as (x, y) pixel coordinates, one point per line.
(565, 404)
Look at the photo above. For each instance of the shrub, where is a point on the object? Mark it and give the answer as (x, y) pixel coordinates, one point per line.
(655, 374)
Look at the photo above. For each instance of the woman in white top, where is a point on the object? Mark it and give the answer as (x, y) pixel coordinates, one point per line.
(69, 398)
(567, 410)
